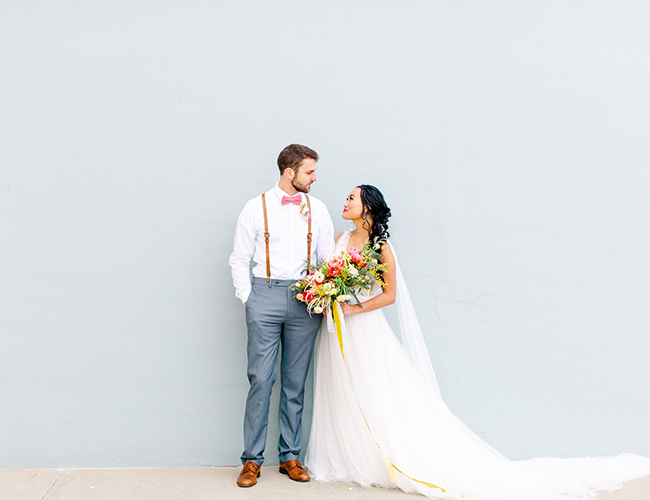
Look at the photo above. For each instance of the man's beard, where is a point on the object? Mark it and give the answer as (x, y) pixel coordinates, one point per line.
(302, 188)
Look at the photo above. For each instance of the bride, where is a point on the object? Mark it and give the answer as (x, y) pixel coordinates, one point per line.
(379, 419)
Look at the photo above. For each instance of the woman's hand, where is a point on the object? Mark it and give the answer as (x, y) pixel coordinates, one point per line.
(350, 309)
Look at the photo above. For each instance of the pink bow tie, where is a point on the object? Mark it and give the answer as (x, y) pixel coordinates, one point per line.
(291, 199)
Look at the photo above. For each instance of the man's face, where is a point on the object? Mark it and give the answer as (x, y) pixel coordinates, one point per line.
(305, 176)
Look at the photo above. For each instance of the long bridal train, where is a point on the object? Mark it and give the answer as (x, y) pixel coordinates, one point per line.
(378, 413)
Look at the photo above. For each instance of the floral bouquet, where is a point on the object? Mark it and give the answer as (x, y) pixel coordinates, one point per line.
(340, 278)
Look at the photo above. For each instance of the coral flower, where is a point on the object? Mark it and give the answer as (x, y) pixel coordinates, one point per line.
(333, 271)
(335, 266)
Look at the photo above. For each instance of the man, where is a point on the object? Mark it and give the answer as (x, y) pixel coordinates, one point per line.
(278, 230)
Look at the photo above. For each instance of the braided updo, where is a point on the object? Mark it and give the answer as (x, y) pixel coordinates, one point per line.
(375, 208)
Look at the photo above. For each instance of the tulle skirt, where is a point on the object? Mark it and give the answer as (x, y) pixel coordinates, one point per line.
(373, 407)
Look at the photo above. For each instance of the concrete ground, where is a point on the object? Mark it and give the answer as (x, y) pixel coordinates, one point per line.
(203, 483)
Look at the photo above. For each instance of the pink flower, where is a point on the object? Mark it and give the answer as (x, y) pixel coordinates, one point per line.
(355, 255)
(337, 262)
(300, 297)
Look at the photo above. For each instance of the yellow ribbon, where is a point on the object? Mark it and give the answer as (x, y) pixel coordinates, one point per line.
(391, 466)
(339, 332)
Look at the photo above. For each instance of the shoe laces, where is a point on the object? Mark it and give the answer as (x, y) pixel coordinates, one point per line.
(249, 466)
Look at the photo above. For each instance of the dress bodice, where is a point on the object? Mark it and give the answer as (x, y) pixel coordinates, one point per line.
(342, 244)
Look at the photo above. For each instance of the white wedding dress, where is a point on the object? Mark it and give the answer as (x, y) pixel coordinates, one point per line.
(380, 405)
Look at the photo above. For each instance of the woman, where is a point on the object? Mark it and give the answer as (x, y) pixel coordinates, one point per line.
(378, 416)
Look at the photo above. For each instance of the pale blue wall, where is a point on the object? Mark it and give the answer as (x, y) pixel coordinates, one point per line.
(509, 139)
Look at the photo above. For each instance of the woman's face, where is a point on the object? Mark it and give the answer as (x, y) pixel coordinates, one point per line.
(353, 207)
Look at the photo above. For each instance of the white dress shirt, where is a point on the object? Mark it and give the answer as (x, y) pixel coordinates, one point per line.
(288, 230)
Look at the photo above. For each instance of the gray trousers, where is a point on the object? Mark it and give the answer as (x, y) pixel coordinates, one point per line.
(275, 318)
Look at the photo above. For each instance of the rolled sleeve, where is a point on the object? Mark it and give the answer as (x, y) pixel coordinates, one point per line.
(242, 253)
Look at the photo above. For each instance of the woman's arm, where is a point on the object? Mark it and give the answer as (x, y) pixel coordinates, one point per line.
(390, 290)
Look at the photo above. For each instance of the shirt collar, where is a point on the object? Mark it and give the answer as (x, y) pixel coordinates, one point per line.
(279, 192)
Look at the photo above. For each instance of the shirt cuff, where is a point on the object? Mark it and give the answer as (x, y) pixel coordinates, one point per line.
(244, 296)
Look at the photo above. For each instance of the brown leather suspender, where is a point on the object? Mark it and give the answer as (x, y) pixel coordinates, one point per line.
(266, 237)
(308, 234)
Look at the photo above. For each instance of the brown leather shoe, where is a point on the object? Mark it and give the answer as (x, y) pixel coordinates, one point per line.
(294, 470)
(248, 475)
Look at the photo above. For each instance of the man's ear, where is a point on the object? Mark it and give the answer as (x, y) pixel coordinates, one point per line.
(289, 173)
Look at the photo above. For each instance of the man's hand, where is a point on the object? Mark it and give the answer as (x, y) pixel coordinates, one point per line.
(245, 304)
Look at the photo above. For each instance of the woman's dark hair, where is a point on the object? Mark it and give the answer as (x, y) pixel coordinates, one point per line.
(374, 205)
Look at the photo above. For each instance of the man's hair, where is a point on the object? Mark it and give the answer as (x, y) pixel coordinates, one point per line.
(292, 156)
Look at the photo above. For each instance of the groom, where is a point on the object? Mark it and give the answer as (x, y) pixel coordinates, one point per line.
(278, 230)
